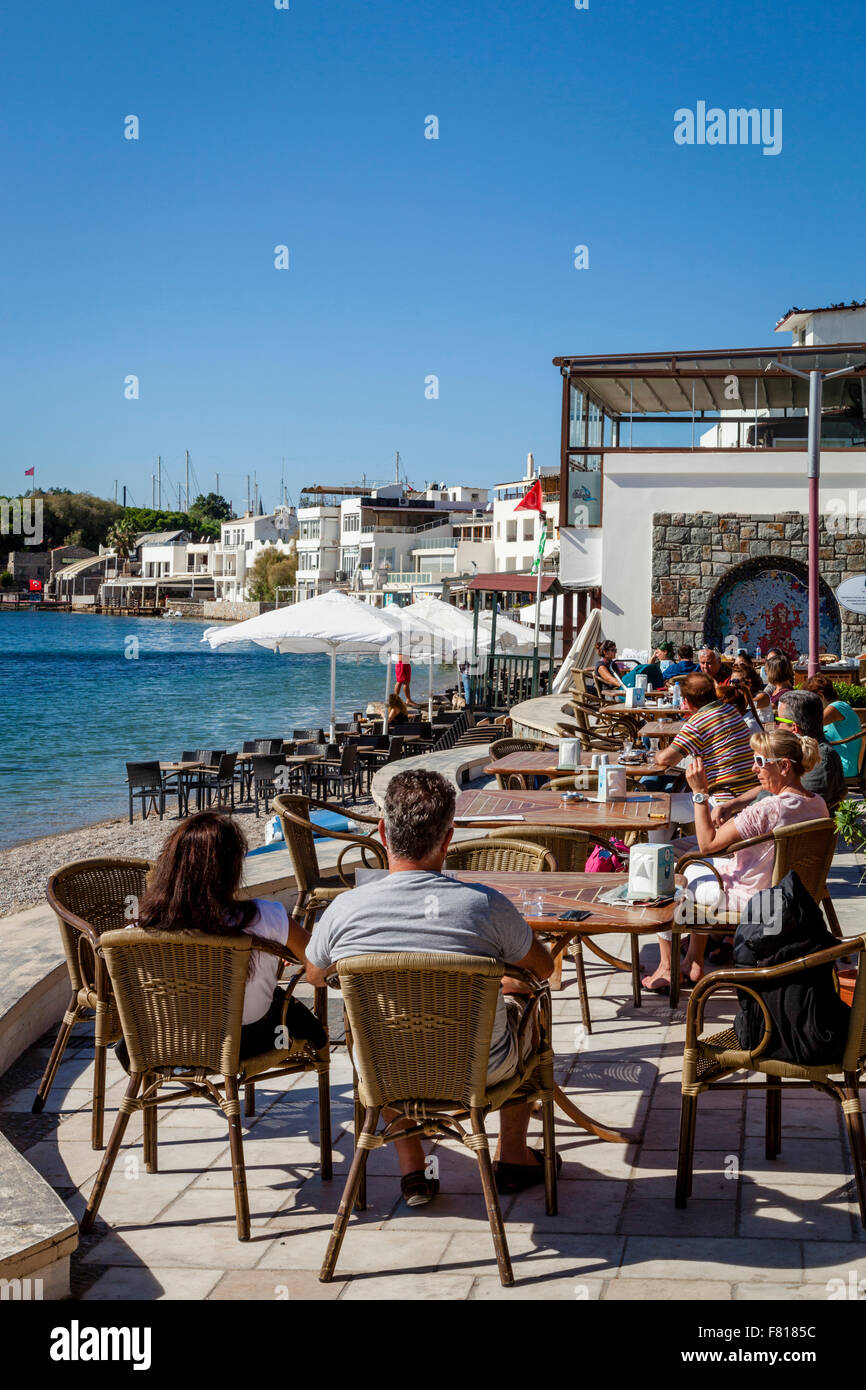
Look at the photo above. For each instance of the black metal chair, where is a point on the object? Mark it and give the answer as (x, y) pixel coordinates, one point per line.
(333, 776)
(222, 781)
(272, 747)
(182, 783)
(263, 777)
(309, 735)
(147, 784)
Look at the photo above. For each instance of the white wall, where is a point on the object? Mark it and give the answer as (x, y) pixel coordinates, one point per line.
(636, 486)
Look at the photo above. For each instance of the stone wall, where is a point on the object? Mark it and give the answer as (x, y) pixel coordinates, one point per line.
(235, 612)
(694, 551)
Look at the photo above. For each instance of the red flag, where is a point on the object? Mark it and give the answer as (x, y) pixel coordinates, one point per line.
(29, 472)
(533, 501)
(36, 586)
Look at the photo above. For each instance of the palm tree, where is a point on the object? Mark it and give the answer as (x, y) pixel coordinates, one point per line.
(121, 537)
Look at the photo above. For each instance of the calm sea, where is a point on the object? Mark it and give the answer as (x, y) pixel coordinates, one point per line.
(82, 694)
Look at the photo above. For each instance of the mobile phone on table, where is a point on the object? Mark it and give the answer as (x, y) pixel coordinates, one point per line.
(574, 914)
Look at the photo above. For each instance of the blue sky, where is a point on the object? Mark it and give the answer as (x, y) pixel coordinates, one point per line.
(408, 257)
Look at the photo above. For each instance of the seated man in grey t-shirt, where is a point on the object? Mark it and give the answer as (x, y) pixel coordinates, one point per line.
(416, 908)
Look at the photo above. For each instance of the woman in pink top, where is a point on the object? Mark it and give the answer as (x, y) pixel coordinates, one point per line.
(781, 758)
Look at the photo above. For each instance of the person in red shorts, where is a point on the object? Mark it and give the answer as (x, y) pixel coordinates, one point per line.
(403, 675)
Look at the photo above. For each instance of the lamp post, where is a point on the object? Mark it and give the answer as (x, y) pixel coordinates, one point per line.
(816, 379)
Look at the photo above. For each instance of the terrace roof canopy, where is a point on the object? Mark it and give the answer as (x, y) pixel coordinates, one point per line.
(509, 582)
(687, 382)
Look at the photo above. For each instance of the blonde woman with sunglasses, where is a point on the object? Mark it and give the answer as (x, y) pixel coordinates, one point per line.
(781, 759)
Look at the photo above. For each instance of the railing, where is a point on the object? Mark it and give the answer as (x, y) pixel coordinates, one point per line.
(438, 543)
(407, 577)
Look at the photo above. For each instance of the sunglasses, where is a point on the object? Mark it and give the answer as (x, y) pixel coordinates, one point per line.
(760, 761)
(781, 720)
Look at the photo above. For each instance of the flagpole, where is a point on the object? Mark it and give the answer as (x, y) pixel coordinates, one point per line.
(540, 563)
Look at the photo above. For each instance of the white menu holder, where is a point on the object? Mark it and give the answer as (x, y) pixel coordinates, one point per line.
(651, 871)
(611, 782)
(569, 755)
(635, 696)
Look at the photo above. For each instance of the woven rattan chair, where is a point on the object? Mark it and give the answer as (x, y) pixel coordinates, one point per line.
(500, 856)
(89, 897)
(419, 1026)
(513, 781)
(707, 1061)
(571, 848)
(180, 998)
(315, 891)
(807, 849)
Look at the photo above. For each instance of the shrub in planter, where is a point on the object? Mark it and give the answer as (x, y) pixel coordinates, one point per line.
(855, 695)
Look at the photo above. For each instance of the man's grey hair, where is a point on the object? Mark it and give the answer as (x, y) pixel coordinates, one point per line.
(418, 813)
(807, 711)
(706, 648)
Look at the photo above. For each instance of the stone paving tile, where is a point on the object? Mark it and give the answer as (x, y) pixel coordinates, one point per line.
(674, 1290)
(582, 1207)
(153, 1284)
(731, 1261)
(715, 1129)
(574, 1289)
(779, 1293)
(535, 1258)
(825, 1260)
(655, 1174)
(276, 1285)
(778, 1208)
(649, 1215)
(132, 1202)
(408, 1288)
(364, 1251)
(587, 1157)
(76, 1164)
(182, 1244)
(449, 1212)
(803, 1117)
(805, 1161)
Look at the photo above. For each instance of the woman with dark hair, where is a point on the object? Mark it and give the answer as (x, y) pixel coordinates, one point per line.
(780, 677)
(194, 888)
(607, 678)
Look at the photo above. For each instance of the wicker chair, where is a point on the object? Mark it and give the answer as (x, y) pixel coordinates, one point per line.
(500, 856)
(500, 748)
(706, 1061)
(89, 897)
(571, 849)
(398, 1008)
(807, 849)
(315, 891)
(180, 998)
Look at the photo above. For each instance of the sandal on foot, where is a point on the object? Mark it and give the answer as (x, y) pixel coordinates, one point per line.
(417, 1189)
(516, 1177)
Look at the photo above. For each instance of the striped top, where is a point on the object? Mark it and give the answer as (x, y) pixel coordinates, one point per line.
(718, 733)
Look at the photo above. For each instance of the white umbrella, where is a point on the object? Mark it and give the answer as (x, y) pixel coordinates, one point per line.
(420, 639)
(527, 614)
(581, 652)
(333, 623)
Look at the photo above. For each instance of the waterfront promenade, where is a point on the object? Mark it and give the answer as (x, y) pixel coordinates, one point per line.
(777, 1230)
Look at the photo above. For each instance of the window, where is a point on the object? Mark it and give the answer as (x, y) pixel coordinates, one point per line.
(352, 521)
(528, 528)
(511, 531)
(310, 530)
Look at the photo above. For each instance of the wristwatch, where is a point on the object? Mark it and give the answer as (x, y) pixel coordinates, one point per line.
(699, 798)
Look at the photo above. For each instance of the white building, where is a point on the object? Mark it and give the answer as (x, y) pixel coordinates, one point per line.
(516, 535)
(242, 541)
(705, 535)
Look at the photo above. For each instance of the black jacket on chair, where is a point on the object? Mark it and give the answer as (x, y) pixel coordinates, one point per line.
(810, 1021)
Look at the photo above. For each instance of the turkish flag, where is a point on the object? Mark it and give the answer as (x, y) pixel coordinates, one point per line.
(29, 472)
(36, 586)
(533, 501)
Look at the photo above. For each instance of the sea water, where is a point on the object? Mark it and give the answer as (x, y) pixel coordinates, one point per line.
(83, 694)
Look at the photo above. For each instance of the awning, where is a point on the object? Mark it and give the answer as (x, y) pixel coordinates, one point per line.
(675, 383)
(507, 583)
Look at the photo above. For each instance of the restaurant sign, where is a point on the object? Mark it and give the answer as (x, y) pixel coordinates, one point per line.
(852, 594)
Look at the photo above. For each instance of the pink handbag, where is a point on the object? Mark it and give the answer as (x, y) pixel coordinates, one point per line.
(601, 861)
